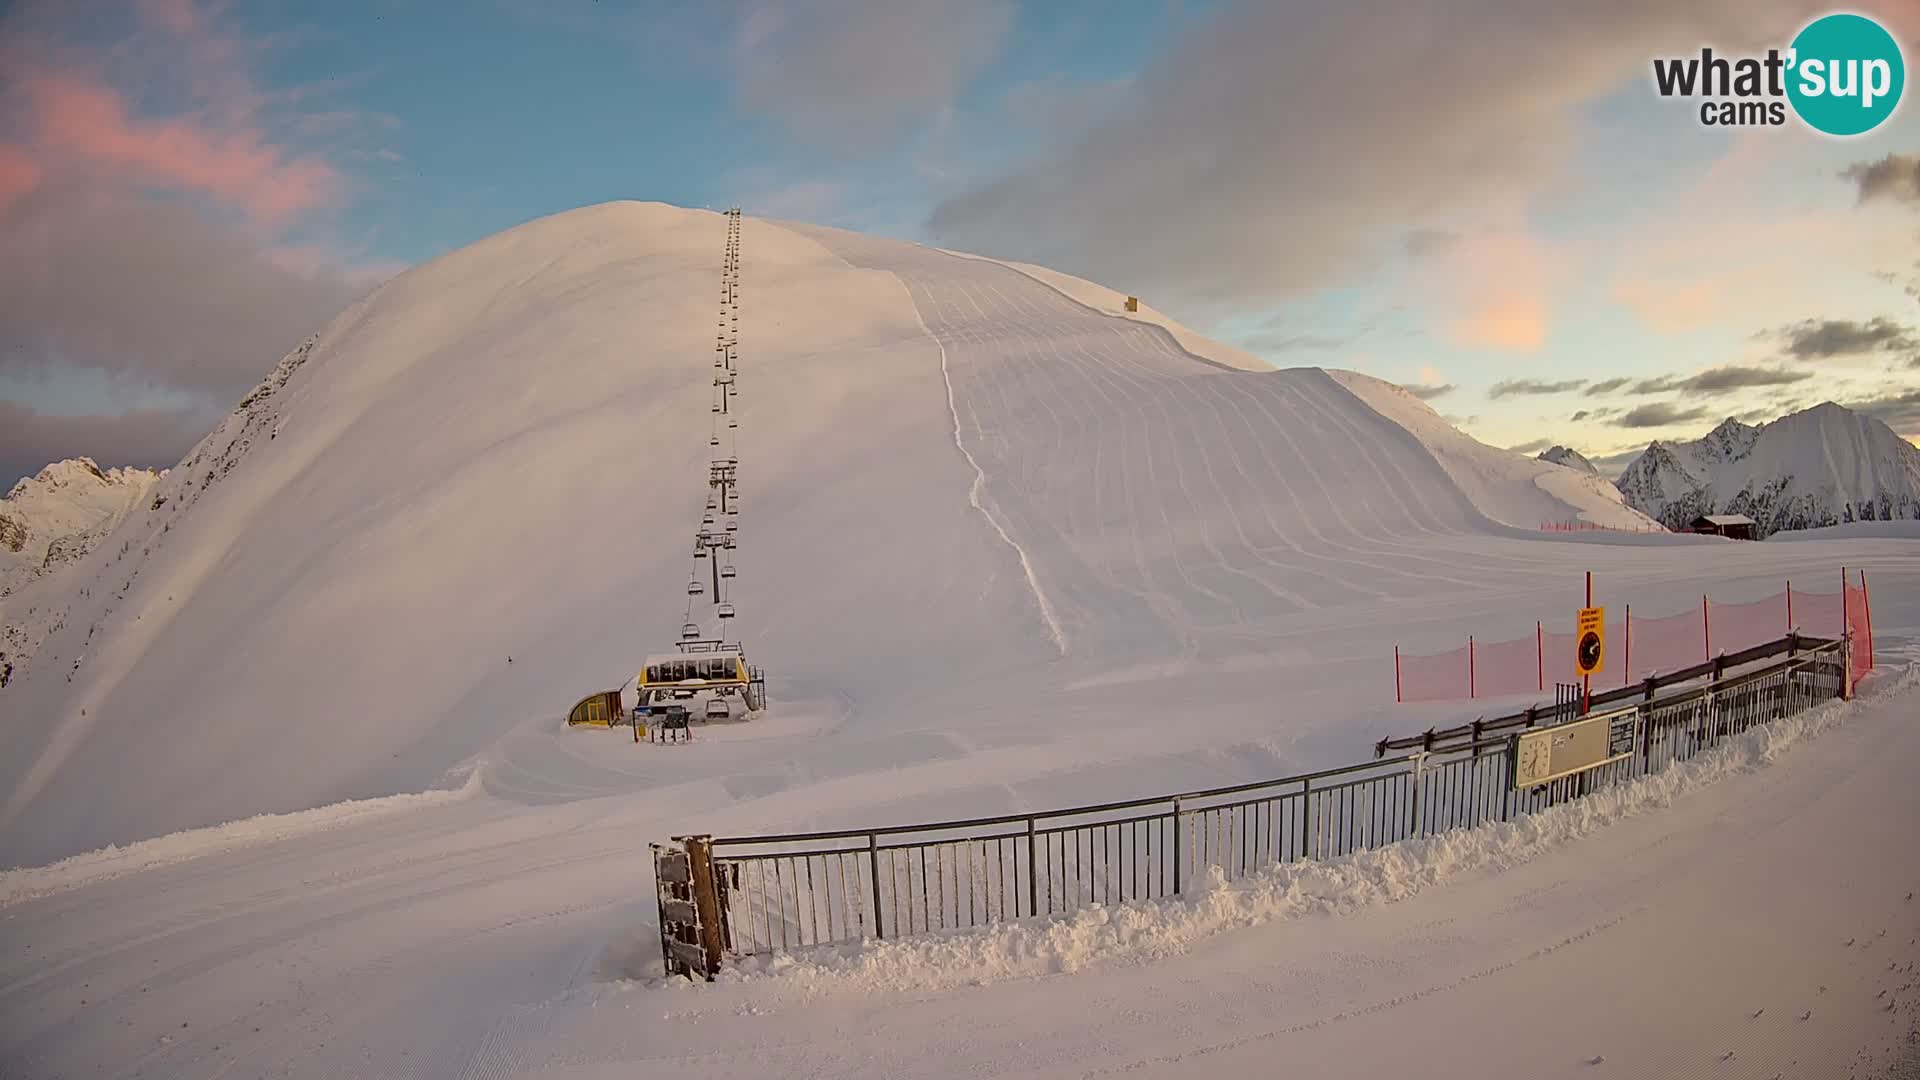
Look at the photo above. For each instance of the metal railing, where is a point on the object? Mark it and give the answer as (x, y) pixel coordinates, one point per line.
(783, 892)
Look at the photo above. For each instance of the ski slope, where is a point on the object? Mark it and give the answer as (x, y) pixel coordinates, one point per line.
(1000, 550)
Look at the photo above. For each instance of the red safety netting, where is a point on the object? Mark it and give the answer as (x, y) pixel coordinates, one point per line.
(1742, 626)
(1667, 644)
(1817, 614)
(1442, 677)
(1506, 667)
(1860, 625)
(1637, 647)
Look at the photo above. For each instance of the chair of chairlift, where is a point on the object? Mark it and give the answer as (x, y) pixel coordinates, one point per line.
(715, 441)
(695, 588)
(727, 571)
(723, 611)
(733, 523)
(689, 632)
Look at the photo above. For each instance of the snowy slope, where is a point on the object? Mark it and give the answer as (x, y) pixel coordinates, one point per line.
(1821, 466)
(1510, 488)
(1109, 302)
(1571, 458)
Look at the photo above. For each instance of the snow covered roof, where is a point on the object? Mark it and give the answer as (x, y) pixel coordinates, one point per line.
(1725, 519)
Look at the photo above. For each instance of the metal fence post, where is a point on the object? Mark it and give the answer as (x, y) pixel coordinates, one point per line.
(1413, 826)
(1033, 872)
(1307, 846)
(873, 874)
(1176, 843)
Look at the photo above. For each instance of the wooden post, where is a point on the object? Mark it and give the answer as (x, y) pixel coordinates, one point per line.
(1472, 688)
(706, 899)
(1396, 675)
(1789, 605)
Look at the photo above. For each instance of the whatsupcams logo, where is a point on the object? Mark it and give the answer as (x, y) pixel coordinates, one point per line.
(1842, 75)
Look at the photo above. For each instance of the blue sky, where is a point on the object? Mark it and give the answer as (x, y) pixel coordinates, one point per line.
(1480, 198)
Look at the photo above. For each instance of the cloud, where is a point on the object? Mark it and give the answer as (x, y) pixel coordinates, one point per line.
(1459, 421)
(1512, 387)
(153, 291)
(852, 73)
(167, 220)
(1900, 410)
(1659, 414)
(88, 121)
(1720, 379)
(156, 438)
(1531, 447)
(1894, 178)
(1606, 386)
(1824, 339)
(1421, 243)
(1614, 462)
(1393, 119)
(1430, 391)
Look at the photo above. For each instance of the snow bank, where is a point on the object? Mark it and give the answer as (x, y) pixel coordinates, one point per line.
(30, 883)
(1142, 931)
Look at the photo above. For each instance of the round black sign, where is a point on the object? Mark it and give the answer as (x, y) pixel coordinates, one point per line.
(1589, 651)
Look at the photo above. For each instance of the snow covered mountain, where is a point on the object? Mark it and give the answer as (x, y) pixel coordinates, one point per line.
(1572, 459)
(1822, 466)
(48, 519)
(48, 522)
(956, 472)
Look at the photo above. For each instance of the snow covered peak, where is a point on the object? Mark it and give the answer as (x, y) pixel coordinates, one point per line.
(1730, 441)
(1571, 458)
(1820, 466)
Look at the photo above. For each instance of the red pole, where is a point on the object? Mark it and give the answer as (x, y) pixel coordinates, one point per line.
(1626, 669)
(1540, 653)
(1706, 626)
(1845, 628)
(1396, 675)
(1866, 602)
(1472, 688)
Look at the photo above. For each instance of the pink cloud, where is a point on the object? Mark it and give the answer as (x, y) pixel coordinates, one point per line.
(19, 174)
(89, 120)
(1493, 287)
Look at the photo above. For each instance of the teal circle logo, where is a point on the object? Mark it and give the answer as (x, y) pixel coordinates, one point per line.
(1845, 74)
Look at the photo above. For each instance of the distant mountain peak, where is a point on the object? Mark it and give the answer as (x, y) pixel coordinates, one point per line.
(1820, 466)
(1571, 458)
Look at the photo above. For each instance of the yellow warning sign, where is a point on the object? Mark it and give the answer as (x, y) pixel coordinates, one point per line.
(1590, 638)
